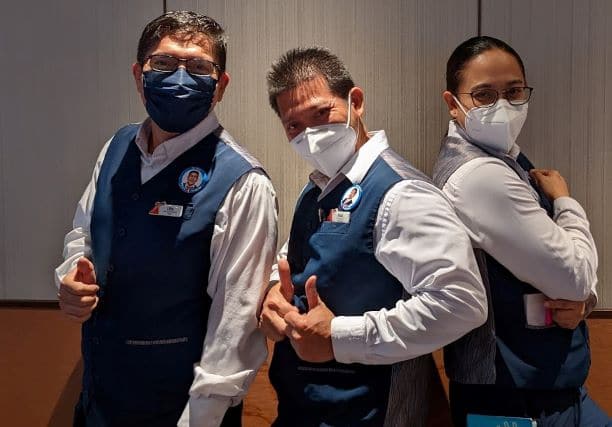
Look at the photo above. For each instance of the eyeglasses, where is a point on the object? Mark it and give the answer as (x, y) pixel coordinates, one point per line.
(518, 95)
(196, 66)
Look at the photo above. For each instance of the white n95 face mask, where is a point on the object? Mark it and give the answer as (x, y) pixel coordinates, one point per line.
(327, 147)
(495, 128)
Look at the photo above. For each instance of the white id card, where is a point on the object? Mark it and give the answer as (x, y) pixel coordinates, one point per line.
(536, 315)
(164, 209)
(340, 216)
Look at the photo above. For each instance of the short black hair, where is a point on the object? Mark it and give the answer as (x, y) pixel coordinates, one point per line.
(184, 25)
(302, 64)
(470, 49)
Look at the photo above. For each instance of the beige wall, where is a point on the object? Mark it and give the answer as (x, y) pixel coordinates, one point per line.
(67, 86)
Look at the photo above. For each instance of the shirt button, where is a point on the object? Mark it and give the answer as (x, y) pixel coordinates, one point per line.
(95, 340)
(135, 196)
(110, 268)
(122, 232)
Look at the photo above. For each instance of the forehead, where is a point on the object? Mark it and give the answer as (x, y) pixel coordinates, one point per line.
(306, 96)
(185, 45)
(492, 67)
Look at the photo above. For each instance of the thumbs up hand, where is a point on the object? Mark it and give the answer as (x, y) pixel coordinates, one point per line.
(77, 293)
(277, 304)
(310, 333)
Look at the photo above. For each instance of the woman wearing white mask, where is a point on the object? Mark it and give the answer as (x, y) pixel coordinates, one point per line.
(534, 248)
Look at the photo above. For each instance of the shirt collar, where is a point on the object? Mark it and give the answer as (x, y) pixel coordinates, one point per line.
(358, 165)
(177, 145)
(456, 131)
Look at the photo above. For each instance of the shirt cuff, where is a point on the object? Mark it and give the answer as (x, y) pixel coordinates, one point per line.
(203, 411)
(563, 204)
(348, 338)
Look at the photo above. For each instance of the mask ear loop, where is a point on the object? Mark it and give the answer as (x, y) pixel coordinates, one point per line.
(460, 105)
(348, 119)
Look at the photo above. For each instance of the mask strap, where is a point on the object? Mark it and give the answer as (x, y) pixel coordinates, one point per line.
(460, 105)
(348, 119)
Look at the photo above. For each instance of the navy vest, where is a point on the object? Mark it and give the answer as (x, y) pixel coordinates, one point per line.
(503, 351)
(350, 281)
(147, 332)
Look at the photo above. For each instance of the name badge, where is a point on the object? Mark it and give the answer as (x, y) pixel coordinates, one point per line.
(165, 209)
(474, 420)
(340, 216)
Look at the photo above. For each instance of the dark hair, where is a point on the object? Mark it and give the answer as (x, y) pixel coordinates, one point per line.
(185, 25)
(470, 49)
(303, 64)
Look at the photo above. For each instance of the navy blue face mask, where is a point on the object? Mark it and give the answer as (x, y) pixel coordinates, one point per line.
(177, 101)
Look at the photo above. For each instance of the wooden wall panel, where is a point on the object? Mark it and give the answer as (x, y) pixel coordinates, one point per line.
(66, 86)
(395, 50)
(41, 372)
(566, 46)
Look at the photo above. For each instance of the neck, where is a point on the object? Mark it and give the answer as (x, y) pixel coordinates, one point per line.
(362, 135)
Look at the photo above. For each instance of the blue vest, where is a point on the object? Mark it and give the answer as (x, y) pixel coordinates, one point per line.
(147, 332)
(350, 281)
(503, 351)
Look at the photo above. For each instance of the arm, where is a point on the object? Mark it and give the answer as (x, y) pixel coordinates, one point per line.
(242, 253)
(503, 217)
(75, 277)
(421, 242)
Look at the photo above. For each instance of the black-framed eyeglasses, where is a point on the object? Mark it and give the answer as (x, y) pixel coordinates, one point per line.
(488, 97)
(196, 66)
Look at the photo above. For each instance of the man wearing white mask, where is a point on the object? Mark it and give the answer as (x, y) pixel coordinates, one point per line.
(533, 246)
(378, 268)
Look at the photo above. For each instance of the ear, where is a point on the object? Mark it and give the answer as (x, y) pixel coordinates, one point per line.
(222, 83)
(357, 101)
(137, 73)
(453, 108)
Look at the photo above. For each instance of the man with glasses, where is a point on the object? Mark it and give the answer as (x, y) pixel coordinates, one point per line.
(166, 279)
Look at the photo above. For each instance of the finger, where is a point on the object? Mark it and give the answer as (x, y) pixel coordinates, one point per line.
(77, 311)
(312, 296)
(85, 271)
(284, 272)
(295, 321)
(281, 307)
(78, 300)
(78, 288)
(273, 326)
(561, 304)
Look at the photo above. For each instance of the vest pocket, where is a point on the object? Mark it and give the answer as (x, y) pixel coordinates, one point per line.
(334, 227)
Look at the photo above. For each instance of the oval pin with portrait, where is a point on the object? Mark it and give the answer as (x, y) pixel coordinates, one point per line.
(192, 179)
(351, 197)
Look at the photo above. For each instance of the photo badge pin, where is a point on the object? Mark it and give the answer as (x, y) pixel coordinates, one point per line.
(192, 180)
(351, 197)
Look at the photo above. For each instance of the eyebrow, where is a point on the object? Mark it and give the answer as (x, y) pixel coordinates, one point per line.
(312, 107)
(488, 85)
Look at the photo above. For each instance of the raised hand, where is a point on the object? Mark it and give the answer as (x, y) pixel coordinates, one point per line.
(550, 182)
(277, 304)
(310, 333)
(77, 293)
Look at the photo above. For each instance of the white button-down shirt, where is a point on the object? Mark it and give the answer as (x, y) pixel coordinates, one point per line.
(420, 241)
(503, 217)
(241, 254)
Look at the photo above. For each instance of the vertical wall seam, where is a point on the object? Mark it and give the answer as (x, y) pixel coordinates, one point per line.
(479, 12)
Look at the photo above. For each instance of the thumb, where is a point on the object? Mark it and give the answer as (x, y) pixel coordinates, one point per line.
(311, 292)
(85, 271)
(284, 271)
